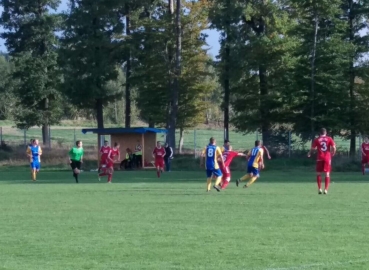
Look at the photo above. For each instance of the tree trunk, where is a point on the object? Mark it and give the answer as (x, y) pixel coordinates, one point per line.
(226, 75)
(264, 109)
(352, 84)
(128, 74)
(45, 126)
(175, 90)
(170, 67)
(180, 144)
(115, 112)
(313, 58)
(151, 123)
(99, 113)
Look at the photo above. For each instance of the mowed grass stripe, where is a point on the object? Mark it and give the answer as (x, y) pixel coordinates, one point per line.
(141, 222)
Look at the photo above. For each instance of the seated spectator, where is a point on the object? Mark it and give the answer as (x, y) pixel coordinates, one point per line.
(128, 161)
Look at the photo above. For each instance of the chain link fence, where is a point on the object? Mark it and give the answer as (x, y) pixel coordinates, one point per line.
(193, 140)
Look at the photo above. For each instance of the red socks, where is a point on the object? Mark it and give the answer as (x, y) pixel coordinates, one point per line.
(225, 184)
(327, 182)
(110, 176)
(319, 181)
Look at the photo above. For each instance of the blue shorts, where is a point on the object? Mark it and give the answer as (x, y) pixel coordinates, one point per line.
(252, 170)
(213, 172)
(35, 165)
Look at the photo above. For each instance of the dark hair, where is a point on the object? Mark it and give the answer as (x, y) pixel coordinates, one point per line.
(78, 142)
(226, 141)
(257, 143)
(212, 140)
(323, 131)
(105, 141)
(116, 144)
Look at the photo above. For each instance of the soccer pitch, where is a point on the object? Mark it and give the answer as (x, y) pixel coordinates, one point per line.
(141, 222)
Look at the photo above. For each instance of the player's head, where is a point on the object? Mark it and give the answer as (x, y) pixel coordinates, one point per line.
(227, 142)
(257, 143)
(106, 143)
(31, 141)
(79, 143)
(116, 145)
(158, 144)
(35, 142)
(166, 144)
(323, 132)
(366, 139)
(212, 140)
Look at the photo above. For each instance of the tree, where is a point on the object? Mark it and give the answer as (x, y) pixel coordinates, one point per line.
(356, 16)
(321, 98)
(7, 101)
(30, 40)
(91, 54)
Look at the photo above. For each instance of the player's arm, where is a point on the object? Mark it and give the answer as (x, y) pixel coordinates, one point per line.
(39, 151)
(153, 153)
(109, 156)
(70, 153)
(219, 155)
(267, 152)
(362, 150)
(334, 149)
(28, 151)
(312, 149)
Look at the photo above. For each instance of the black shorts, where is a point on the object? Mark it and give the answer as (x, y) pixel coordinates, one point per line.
(75, 165)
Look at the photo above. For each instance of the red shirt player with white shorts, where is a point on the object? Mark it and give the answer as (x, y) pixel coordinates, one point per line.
(159, 153)
(323, 144)
(365, 153)
(227, 158)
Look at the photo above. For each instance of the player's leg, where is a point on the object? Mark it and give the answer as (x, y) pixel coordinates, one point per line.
(226, 177)
(110, 172)
(37, 169)
(157, 165)
(254, 175)
(327, 170)
(319, 170)
(245, 177)
(218, 175)
(363, 165)
(209, 177)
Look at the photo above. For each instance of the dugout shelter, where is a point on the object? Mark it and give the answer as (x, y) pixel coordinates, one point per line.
(128, 138)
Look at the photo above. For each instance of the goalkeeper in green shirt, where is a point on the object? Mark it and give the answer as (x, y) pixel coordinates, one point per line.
(76, 159)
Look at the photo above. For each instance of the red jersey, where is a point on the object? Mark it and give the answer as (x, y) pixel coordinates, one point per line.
(159, 153)
(104, 151)
(113, 153)
(323, 144)
(228, 157)
(365, 148)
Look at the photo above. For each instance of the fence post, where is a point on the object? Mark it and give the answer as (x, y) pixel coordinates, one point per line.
(49, 137)
(289, 144)
(25, 137)
(194, 141)
(1, 135)
(74, 136)
(359, 152)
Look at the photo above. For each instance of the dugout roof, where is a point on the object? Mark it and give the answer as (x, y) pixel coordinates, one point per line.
(109, 131)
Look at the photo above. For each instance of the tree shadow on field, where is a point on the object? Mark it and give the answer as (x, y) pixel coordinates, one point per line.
(175, 177)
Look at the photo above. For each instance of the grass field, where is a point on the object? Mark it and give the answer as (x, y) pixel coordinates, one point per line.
(139, 222)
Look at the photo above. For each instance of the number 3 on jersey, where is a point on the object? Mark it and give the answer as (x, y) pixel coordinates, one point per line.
(210, 152)
(323, 146)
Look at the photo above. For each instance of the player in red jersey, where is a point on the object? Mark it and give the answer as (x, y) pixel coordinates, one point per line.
(113, 156)
(365, 154)
(159, 154)
(227, 158)
(104, 152)
(326, 149)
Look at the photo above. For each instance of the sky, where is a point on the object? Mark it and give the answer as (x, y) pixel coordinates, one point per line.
(212, 40)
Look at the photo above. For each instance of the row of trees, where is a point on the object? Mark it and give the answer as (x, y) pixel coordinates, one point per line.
(284, 64)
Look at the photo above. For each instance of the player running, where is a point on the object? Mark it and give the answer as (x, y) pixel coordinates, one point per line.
(227, 159)
(76, 159)
(113, 156)
(104, 152)
(268, 155)
(212, 154)
(159, 154)
(226, 146)
(34, 153)
(255, 159)
(325, 145)
(365, 154)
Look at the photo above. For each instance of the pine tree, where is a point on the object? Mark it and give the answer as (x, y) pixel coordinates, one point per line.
(30, 39)
(91, 54)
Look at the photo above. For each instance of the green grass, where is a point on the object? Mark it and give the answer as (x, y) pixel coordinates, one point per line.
(139, 222)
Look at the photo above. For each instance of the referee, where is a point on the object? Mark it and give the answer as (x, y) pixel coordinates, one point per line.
(76, 159)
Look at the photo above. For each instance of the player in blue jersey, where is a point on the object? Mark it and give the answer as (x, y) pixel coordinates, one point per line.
(34, 153)
(255, 161)
(212, 155)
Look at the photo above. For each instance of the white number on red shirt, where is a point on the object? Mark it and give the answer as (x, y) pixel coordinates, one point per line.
(323, 146)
